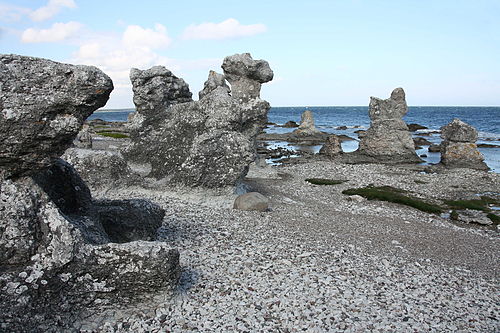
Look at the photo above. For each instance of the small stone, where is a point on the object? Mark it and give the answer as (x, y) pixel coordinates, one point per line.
(251, 201)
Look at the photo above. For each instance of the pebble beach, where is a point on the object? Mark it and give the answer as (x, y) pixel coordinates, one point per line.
(318, 262)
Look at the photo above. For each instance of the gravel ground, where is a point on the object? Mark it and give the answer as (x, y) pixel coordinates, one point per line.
(318, 262)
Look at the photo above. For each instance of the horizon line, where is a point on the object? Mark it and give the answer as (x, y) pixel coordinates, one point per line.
(339, 106)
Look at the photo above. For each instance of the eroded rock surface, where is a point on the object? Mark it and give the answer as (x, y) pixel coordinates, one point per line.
(42, 107)
(332, 146)
(57, 259)
(458, 148)
(388, 138)
(207, 143)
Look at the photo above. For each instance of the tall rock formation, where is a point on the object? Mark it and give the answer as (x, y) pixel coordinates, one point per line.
(59, 251)
(388, 138)
(306, 127)
(209, 142)
(459, 149)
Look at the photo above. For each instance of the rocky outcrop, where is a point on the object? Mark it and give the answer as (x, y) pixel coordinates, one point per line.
(388, 139)
(458, 148)
(306, 127)
(42, 107)
(210, 142)
(84, 138)
(57, 256)
(332, 146)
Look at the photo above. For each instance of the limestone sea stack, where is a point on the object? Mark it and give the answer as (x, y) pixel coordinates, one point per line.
(209, 142)
(332, 146)
(459, 149)
(59, 248)
(388, 138)
(306, 127)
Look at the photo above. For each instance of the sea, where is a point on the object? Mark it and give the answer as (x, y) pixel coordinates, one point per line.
(329, 118)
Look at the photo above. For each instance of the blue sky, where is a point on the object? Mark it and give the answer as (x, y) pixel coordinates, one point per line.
(337, 52)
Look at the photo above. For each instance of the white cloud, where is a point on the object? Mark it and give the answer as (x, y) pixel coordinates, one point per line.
(9, 13)
(136, 36)
(52, 8)
(229, 28)
(57, 33)
(116, 54)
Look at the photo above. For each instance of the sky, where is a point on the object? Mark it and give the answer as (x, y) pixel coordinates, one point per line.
(323, 53)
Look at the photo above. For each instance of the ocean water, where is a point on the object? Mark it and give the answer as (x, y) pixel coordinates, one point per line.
(328, 118)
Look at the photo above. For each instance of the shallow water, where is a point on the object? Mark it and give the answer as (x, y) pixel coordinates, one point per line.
(485, 119)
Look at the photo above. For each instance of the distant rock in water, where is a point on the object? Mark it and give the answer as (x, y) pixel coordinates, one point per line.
(306, 127)
(290, 124)
(332, 146)
(458, 148)
(388, 138)
(42, 107)
(415, 127)
(209, 142)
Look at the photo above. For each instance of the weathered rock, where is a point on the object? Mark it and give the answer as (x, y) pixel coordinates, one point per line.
(157, 88)
(306, 127)
(462, 155)
(473, 216)
(290, 124)
(388, 138)
(214, 81)
(332, 146)
(415, 127)
(101, 169)
(209, 142)
(458, 148)
(129, 220)
(458, 131)
(84, 138)
(435, 148)
(56, 259)
(57, 253)
(43, 105)
(246, 75)
(251, 201)
(421, 141)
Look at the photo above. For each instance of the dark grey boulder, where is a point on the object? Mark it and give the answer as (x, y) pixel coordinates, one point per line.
(43, 105)
(210, 142)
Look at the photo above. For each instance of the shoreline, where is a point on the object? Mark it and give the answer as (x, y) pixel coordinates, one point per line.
(317, 260)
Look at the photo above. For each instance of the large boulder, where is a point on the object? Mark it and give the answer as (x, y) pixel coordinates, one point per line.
(43, 105)
(209, 142)
(388, 138)
(458, 148)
